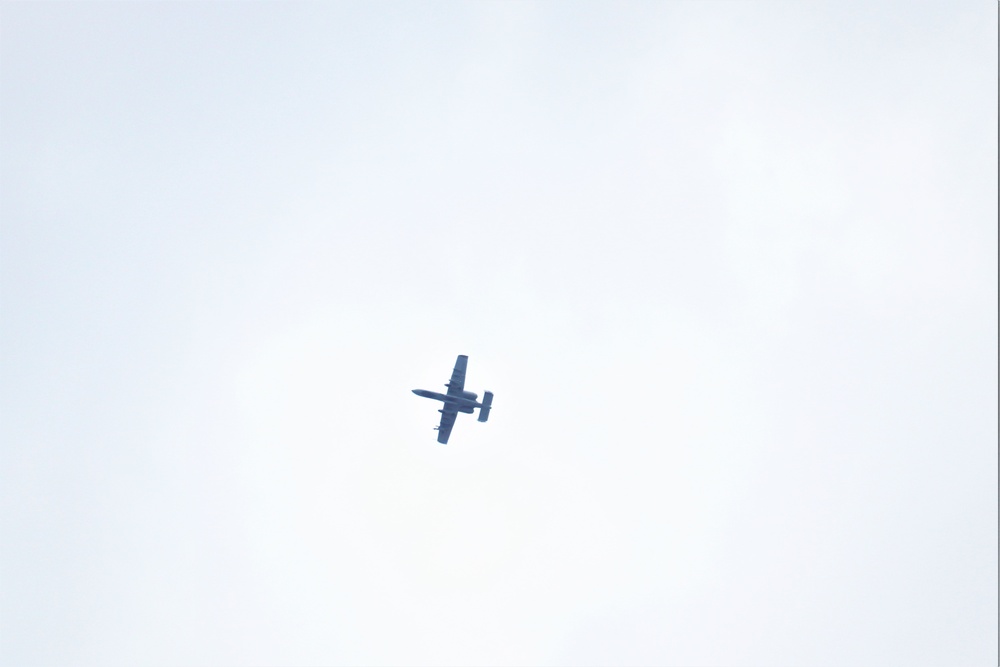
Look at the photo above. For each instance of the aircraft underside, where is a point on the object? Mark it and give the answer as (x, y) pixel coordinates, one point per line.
(457, 400)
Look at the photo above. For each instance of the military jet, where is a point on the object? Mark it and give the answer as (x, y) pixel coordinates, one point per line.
(457, 400)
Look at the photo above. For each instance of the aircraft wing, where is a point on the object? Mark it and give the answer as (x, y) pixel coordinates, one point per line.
(447, 421)
(457, 383)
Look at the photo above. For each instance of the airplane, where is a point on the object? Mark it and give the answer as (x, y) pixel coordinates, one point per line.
(457, 400)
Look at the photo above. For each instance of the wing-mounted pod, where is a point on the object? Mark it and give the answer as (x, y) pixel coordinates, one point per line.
(484, 412)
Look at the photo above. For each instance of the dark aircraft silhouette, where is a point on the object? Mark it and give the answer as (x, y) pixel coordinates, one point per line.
(457, 400)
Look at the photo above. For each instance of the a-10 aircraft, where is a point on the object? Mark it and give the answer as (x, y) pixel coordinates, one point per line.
(457, 400)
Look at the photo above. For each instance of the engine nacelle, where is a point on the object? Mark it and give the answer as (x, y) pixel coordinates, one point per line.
(471, 395)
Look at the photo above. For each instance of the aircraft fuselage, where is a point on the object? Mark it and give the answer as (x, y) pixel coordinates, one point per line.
(466, 402)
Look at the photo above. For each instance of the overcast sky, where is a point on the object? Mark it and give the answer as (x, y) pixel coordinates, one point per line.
(730, 270)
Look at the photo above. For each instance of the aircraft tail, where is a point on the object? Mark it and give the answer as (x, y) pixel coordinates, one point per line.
(484, 412)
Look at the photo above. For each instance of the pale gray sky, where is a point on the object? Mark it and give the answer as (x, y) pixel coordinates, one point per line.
(729, 268)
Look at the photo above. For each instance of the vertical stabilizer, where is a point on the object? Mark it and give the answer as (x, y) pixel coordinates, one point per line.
(484, 412)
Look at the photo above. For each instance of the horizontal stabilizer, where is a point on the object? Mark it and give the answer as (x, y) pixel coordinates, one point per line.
(484, 412)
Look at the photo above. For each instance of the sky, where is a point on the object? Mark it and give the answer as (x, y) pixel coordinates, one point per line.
(729, 268)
